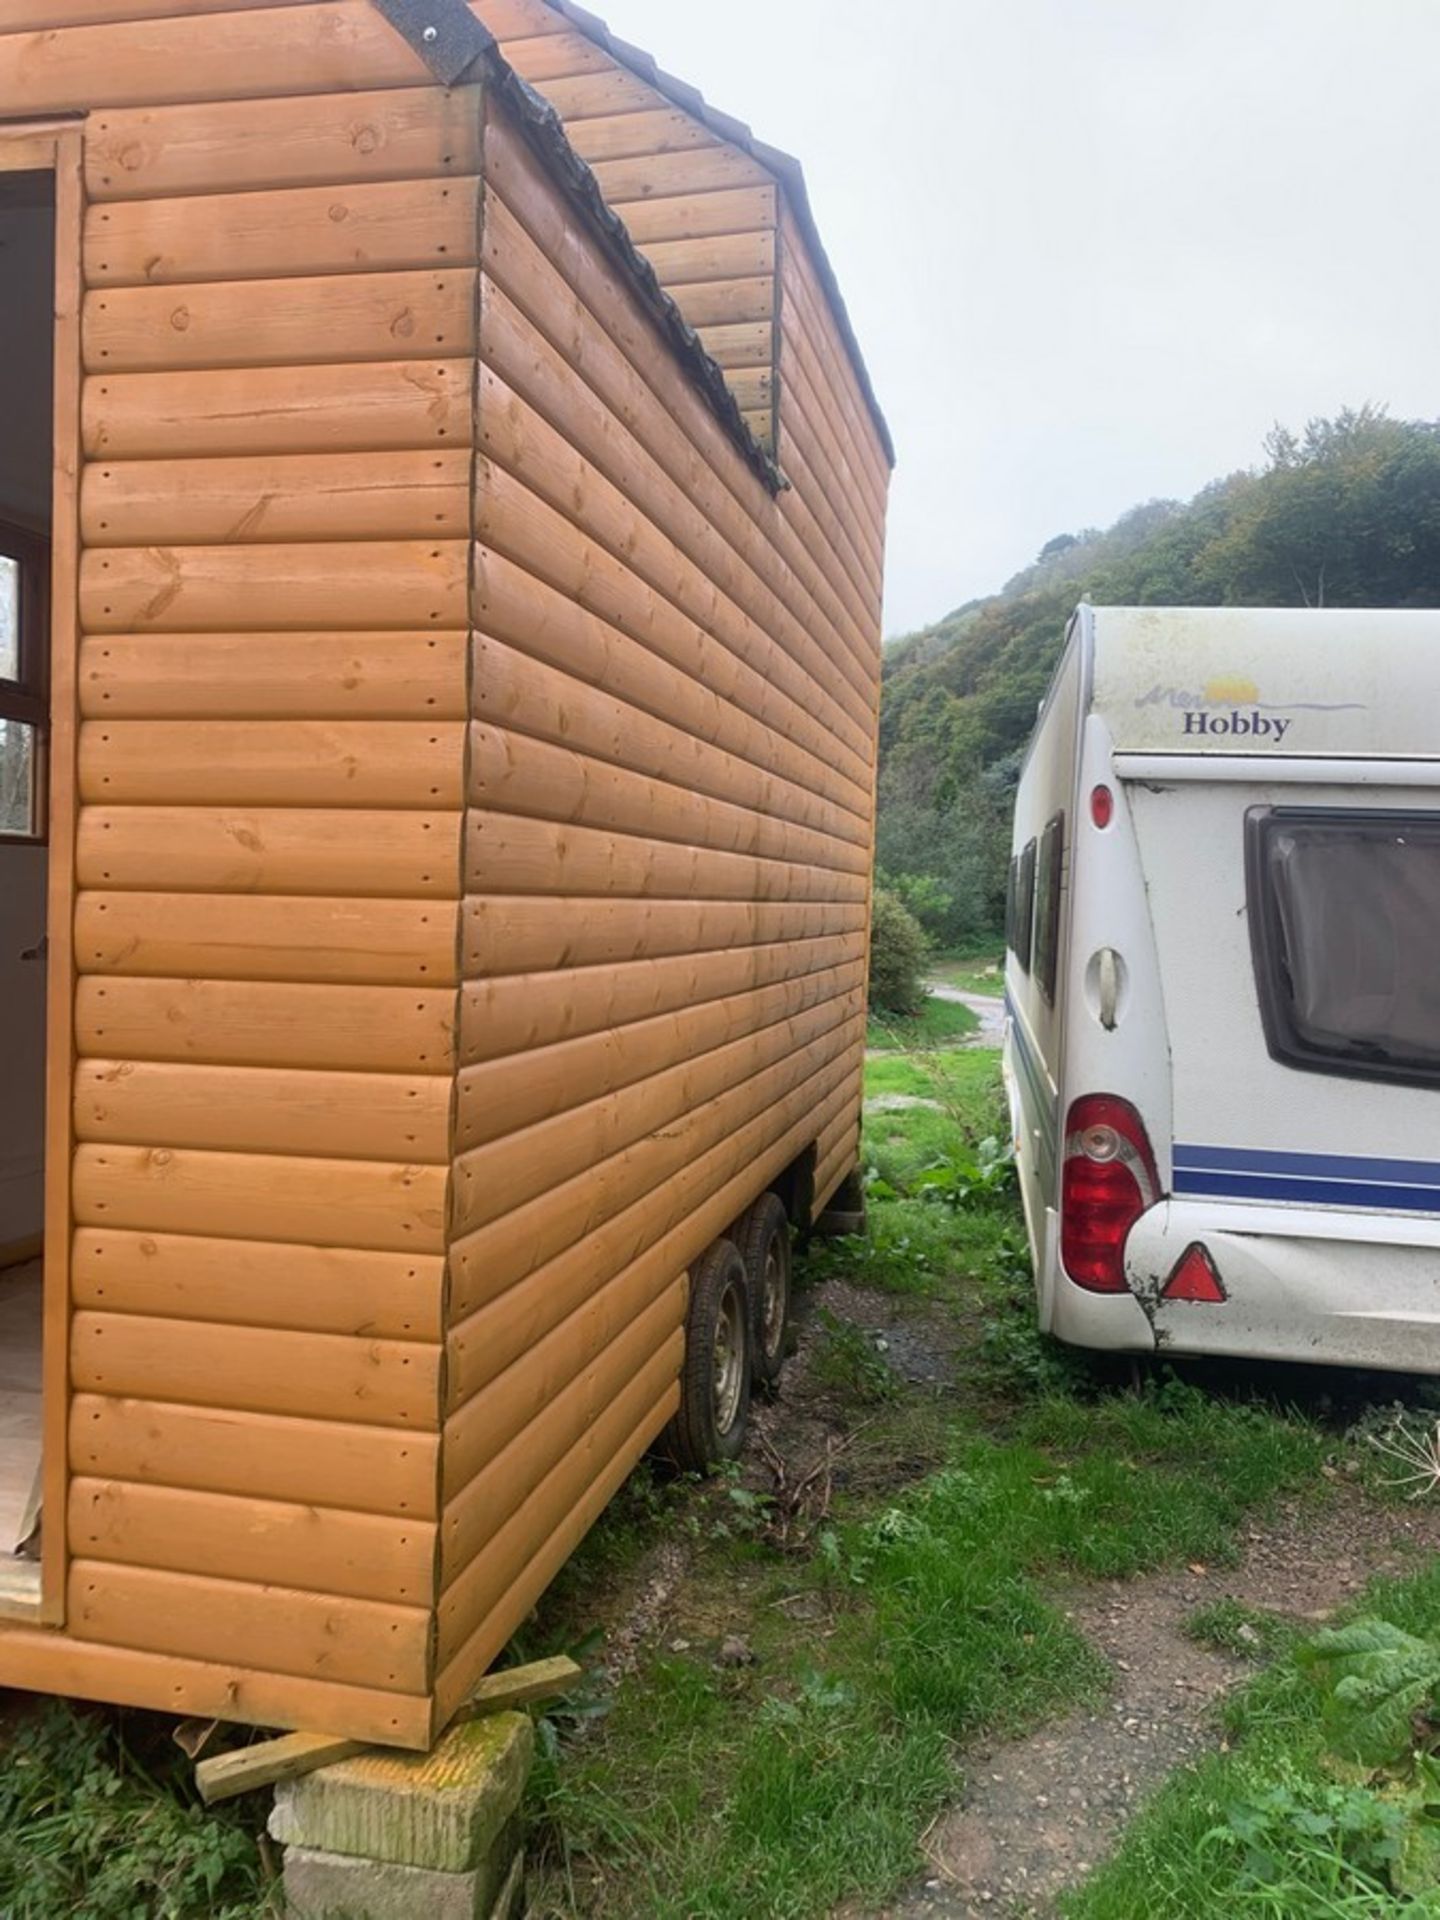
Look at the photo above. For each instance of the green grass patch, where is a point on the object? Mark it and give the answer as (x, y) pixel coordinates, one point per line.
(1248, 1633)
(982, 970)
(1281, 1826)
(99, 1821)
(783, 1787)
(939, 1023)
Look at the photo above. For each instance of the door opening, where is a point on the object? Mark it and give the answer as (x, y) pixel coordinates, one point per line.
(27, 305)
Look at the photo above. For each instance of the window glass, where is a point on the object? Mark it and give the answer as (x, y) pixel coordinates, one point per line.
(9, 617)
(1345, 926)
(1025, 904)
(1048, 870)
(18, 761)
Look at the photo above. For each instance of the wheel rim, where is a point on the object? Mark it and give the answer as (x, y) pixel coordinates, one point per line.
(772, 1300)
(729, 1358)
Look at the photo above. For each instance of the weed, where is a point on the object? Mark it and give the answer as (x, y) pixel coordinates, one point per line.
(97, 1822)
(1249, 1633)
(848, 1360)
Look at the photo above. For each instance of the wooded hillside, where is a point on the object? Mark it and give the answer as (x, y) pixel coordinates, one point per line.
(1346, 513)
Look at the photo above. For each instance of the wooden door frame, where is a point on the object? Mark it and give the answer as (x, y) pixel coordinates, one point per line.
(57, 146)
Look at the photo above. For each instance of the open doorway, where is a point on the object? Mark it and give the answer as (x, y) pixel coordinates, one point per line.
(27, 281)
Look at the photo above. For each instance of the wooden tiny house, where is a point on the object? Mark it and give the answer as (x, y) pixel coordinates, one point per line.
(449, 747)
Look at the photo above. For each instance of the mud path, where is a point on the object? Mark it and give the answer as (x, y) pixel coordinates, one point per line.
(1038, 1814)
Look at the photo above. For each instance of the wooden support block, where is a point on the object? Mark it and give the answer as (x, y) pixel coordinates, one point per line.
(265, 1762)
(520, 1686)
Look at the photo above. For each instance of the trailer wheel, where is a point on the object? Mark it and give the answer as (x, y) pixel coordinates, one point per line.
(764, 1239)
(715, 1376)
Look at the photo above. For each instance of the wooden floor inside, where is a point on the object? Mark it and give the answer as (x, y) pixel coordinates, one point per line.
(20, 1428)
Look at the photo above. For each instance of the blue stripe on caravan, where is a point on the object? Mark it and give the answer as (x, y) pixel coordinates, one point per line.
(1308, 1166)
(1356, 1195)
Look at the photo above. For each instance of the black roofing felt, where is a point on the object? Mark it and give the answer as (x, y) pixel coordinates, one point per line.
(450, 39)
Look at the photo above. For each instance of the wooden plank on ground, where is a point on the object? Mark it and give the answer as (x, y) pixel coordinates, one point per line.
(225, 1775)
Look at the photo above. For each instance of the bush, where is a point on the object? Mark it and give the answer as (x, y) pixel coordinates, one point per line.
(898, 952)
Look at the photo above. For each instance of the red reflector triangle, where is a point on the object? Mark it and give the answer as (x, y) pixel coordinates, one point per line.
(1194, 1277)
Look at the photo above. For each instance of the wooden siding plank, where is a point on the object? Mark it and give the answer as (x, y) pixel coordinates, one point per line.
(568, 1401)
(287, 323)
(341, 46)
(305, 1289)
(270, 850)
(716, 698)
(489, 1260)
(527, 1013)
(268, 1456)
(399, 404)
(502, 1096)
(728, 256)
(629, 1316)
(488, 1637)
(274, 676)
(511, 936)
(651, 131)
(273, 763)
(421, 494)
(584, 96)
(246, 1196)
(268, 1024)
(48, 16)
(401, 133)
(316, 1376)
(506, 853)
(343, 1116)
(655, 1233)
(775, 775)
(362, 584)
(496, 1179)
(318, 1636)
(693, 216)
(470, 1596)
(259, 937)
(58, 1663)
(539, 58)
(363, 1556)
(573, 297)
(379, 227)
(665, 176)
(725, 302)
(514, 773)
(750, 343)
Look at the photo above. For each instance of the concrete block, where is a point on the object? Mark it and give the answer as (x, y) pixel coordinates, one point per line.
(338, 1886)
(445, 1810)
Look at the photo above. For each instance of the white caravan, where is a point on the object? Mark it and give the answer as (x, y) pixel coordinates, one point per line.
(1223, 985)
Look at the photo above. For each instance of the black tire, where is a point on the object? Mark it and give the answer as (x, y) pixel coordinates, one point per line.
(763, 1237)
(714, 1410)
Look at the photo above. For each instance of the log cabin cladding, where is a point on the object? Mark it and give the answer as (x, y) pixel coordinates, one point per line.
(476, 788)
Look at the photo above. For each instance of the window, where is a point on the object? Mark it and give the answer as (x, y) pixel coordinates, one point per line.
(1345, 928)
(1024, 904)
(24, 574)
(1048, 871)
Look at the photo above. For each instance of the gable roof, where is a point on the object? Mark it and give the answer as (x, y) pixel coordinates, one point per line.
(450, 37)
(784, 166)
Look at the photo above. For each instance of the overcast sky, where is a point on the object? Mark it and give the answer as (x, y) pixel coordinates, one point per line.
(1093, 249)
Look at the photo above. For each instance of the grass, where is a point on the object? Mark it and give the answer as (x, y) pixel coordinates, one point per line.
(98, 1821)
(919, 1614)
(977, 970)
(1275, 1826)
(939, 1023)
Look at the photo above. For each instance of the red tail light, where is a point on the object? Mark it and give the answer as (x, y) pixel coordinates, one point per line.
(1108, 1181)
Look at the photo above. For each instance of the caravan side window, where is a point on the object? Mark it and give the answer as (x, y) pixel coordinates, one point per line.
(1344, 907)
(1024, 905)
(1048, 870)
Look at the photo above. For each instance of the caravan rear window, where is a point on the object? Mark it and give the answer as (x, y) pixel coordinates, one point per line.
(1345, 930)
